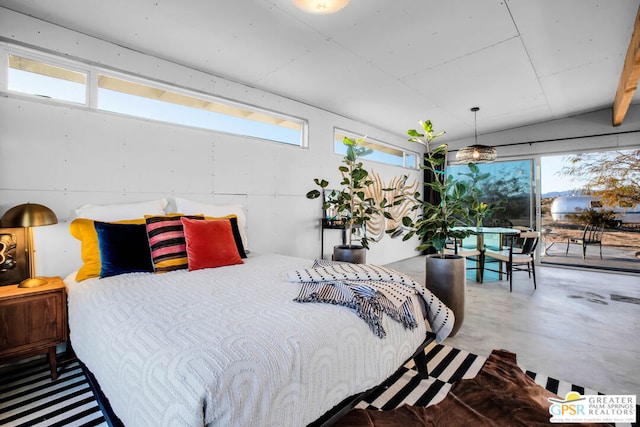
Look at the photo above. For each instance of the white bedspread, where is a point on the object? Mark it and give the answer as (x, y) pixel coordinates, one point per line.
(226, 346)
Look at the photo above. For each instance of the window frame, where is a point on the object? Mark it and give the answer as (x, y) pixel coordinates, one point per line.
(73, 66)
(405, 153)
(91, 101)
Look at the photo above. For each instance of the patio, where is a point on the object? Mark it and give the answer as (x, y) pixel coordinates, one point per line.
(624, 259)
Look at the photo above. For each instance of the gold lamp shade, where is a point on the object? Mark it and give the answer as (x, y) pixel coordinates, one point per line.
(29, 215)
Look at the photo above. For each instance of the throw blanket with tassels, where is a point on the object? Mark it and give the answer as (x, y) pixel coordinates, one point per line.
(371, 291)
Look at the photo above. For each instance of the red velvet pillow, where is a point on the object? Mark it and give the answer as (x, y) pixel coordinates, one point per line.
(209, 243)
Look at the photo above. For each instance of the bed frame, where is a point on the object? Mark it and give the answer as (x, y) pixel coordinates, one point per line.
(328, 419)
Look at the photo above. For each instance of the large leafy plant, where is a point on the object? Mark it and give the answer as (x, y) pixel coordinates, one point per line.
(351, 205)
(480, 209)
(436, 222)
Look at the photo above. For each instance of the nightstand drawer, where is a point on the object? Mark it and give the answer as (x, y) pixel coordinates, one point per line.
(31, 321)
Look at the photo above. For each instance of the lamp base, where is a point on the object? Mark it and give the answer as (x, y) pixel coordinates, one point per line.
(32, 282)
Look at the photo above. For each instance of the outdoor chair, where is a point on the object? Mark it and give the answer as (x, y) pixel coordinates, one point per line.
(514, 258)
(592, 235)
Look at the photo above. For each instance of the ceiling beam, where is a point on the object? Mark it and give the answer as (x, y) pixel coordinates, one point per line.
(629, 77)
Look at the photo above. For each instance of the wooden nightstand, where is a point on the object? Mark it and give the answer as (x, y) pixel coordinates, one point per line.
(33, 321)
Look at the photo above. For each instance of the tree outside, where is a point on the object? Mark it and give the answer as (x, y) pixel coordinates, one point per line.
(614, 177)
(612, 182)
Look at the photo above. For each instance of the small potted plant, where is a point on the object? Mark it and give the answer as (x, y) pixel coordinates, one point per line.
(350, 206)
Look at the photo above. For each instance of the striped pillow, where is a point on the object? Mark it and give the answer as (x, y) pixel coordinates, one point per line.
(167, 242)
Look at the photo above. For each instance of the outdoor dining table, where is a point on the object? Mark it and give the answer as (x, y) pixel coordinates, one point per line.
(480, 233)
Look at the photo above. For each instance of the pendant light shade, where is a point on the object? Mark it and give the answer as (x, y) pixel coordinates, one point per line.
(321, 7)
(476, 153)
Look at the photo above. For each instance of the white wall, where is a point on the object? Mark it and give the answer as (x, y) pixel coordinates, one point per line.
(63, 156)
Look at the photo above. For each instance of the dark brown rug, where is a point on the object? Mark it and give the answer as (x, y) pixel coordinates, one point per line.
(500, 395)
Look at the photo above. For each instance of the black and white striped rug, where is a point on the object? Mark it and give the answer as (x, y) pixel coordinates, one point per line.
(447, 365)
(28, 396)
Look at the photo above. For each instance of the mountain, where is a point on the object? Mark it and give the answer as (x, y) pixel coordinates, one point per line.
(554, 194)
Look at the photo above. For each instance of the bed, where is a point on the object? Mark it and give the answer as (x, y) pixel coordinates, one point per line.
(228, 346)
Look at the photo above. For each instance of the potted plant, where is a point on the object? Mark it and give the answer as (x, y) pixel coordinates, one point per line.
(480, 210)
(437, 221)
(350, 205)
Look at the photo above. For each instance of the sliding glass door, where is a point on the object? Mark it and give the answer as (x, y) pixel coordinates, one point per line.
(591, 189)
(511, 183)
(571, 197)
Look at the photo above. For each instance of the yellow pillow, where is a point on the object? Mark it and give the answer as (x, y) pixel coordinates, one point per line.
(84, 230)
(218, 218)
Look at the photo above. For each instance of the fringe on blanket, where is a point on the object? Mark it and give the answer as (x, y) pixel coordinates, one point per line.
(367, 303)
(371, 291)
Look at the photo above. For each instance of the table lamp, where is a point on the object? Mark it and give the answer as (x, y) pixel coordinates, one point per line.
(29, 215)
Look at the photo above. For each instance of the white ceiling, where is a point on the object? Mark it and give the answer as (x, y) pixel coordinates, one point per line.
(385, 63)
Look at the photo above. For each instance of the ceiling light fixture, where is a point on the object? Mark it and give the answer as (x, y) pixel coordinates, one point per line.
(476, 153)
(321, 7)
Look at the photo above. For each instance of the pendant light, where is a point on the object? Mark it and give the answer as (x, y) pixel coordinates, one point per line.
(476, 153)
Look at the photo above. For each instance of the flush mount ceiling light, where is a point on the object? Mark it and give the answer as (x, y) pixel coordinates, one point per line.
(321, 7)
(476, 153)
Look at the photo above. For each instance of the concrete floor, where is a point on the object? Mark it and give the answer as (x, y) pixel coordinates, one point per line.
(570, 328)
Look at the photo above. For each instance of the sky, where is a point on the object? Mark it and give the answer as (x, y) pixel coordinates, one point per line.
(550, 178)
(109, 100)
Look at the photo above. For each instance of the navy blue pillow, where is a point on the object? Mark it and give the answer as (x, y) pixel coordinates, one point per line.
(236, 236)
(124, 248)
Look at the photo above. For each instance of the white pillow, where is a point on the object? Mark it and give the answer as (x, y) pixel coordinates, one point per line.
(120, 211)
(190, 207)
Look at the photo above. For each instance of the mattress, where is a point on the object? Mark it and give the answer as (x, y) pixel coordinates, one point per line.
(226, 346)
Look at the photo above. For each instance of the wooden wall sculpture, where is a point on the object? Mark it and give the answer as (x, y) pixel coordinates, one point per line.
(378, 190)
(14, 265)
